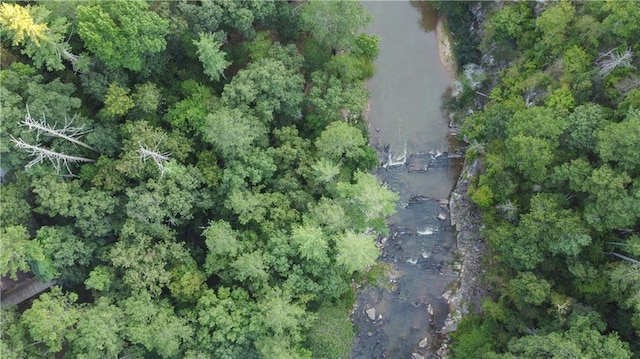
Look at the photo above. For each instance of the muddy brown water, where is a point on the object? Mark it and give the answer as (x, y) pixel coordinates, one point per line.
(411, 133)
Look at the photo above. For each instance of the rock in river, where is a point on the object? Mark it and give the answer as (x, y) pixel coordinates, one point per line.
(371, 313)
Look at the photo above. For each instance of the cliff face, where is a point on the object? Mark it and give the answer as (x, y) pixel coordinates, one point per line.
(467, 292)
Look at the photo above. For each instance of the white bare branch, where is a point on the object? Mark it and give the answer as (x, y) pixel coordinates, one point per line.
(628, 259)
(609, 61)
(39, 154)
(67, 132)
(160, 158)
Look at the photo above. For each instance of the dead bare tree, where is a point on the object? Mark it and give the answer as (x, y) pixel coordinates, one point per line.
(609, 61)
(628, 259)
(39, 154)
(67, 132)
(160, 158)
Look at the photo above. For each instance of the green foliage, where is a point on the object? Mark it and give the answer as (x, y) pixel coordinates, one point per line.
(316, 54)
(17, 251)
(356, 252)
(526, 289)
(98, 332)
(154, 325)
(223, 323)
(531, 157)
(617, 143)
(622, 19)
(311, 243)
(117, 102)
(510, 22)
(190, 113)
(51, 317)
(367, 46)
(43, 42)
(350, 68)
(611, 204)
(122, 33)
(232, 132)
(62, 252)
(582, 339)
(212, 58)
(553, 24)
(147, 97)
(331, 335)
(558, 190)
(214, 220)
(584, 122)
(368, 201)
(268, 87)
(482, 196)
(473, 338)
(340, 140)
(334, 100)
(15, 209)
(334, 23)
(459, 17)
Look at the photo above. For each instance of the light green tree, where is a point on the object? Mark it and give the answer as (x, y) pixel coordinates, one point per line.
(51, 317)
(17, 250)
(98, 332)
(212, 58)
(617, 142)
(340, 140)
(43, 42)
(117, 102)
(268, 88)
(367, 201)
(154, 325)
(232, 132)
(122, 33)
(335, 23)
(356, 251)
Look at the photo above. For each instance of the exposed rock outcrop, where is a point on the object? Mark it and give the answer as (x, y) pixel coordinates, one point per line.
(468, 292)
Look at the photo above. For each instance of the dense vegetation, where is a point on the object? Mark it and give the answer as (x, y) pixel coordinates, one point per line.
(555, 122)
(196, 177)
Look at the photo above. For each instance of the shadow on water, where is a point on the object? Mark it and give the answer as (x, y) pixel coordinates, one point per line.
(429, 17)
(421, 162)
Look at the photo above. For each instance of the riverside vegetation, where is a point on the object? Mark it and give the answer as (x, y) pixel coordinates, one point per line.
(549, 99)
(194, 175)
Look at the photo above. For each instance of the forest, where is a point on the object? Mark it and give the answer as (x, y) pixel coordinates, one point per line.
(194, 176)
(548, 98)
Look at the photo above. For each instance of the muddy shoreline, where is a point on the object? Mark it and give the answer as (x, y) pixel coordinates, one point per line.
(445, 49)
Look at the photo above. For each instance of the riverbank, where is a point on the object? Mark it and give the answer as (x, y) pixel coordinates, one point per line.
(445, 49)
(467, 291)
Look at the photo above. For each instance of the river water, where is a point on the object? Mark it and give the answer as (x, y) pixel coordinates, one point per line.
(411, 134)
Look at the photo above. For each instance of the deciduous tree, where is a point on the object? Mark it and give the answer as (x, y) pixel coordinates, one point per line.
(122, 33)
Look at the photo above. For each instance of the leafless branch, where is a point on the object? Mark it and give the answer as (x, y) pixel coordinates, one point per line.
(39, 154)
(67, 132)
(157, 156)
(628, 259)
(609, 61)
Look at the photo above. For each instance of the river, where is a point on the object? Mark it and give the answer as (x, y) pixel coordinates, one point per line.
(411, 134)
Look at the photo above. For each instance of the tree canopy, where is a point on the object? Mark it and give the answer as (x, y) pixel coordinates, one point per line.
(556, 132)
(187, 193)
